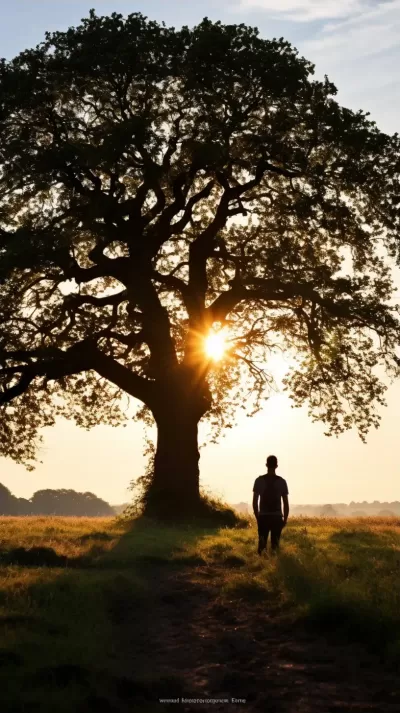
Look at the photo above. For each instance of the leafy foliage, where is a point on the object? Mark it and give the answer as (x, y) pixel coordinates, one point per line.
(157, 183)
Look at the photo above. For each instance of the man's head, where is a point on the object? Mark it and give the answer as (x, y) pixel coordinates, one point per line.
(272, 462)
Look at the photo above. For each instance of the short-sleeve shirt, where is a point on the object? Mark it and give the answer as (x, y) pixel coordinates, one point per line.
(270, 488)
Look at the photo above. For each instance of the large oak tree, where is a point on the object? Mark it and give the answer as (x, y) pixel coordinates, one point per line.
(156, 184)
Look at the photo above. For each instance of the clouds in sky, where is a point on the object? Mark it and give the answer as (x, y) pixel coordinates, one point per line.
(361, 54)
(305, 10)
(355, 42)
(374, 31)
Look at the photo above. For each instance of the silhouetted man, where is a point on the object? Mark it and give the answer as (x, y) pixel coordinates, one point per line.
(270, 488)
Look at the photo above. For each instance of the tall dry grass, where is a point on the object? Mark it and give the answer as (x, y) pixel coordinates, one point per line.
(65, 615)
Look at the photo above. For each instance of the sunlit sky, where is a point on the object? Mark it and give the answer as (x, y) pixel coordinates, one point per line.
(357, 44)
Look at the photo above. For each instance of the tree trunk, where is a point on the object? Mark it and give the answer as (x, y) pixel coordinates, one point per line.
(174, 490)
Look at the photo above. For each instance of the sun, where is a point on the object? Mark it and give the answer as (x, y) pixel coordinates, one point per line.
(215, 346)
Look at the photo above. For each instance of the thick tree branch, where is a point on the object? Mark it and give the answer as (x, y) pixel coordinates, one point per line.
(203, 246)
(181, 224)
(161, 230)
(116, 268)
(124, 378)
(131, 340)
(63, 364)
(83, 356)
(116, 299)
(156, 326)
(174, 283)
(18, 389)
(276, 290)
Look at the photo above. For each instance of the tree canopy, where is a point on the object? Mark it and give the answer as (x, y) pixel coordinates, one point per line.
(156, 184)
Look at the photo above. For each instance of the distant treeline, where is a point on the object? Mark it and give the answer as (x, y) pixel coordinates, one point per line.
(55, 502)
(353, 509)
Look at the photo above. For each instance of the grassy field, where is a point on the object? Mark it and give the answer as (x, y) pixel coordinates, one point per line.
(94, 612)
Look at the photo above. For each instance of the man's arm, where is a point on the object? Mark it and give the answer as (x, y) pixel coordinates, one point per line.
(255, 504)
(285, 499)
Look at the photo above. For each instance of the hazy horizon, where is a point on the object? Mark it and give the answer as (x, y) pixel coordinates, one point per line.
(375, 503)
(341, 40)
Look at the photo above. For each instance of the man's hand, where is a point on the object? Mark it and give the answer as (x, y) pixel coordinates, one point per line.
(284, 523)
(285, 509)
(255, 505)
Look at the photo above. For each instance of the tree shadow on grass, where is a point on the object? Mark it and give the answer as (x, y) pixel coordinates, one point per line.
(135, 546)
(32, 557)
(105, 536)
(138, 629)
(115, 593)
(48, 557)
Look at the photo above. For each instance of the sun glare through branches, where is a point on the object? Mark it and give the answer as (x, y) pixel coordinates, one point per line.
(215, 345)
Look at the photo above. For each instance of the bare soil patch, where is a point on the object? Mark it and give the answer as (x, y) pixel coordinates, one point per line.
(242, 650)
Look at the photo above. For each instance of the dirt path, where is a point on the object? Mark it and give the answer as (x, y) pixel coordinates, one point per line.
(247, 652)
